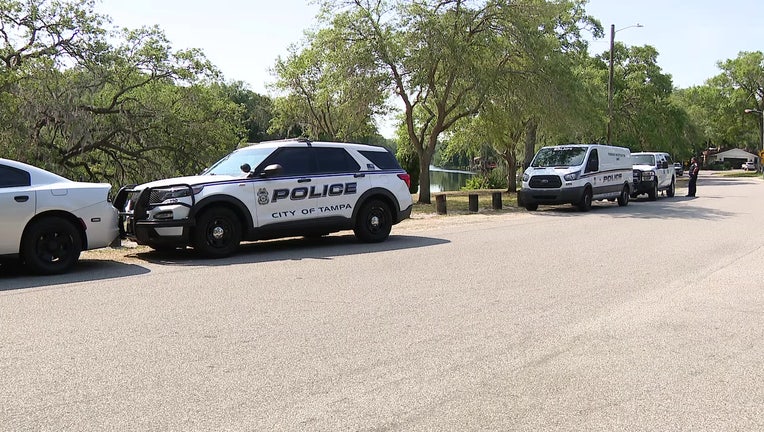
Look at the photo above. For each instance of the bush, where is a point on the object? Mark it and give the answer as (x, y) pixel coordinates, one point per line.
(494, 179)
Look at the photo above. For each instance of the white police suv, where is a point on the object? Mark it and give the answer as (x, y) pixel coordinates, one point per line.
(270, 190)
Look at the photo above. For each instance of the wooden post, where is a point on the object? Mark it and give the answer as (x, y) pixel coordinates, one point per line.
(440, 204)
(473, 202)
(496, 200)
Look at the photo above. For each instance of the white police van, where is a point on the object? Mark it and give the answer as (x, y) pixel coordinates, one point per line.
(577, 174)
(270, 190)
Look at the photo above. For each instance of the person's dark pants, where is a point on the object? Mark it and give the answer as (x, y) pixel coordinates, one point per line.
(692, 186)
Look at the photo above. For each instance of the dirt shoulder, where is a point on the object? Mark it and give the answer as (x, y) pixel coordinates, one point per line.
(418, 222)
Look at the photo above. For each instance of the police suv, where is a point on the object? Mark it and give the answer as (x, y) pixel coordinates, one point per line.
(577, 174)
(270, 190)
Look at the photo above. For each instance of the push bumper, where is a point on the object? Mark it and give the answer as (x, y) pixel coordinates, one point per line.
(646, 186)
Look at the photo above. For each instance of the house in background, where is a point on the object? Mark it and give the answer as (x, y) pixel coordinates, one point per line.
(734, 158)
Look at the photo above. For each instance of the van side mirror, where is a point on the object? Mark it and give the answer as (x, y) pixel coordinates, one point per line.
(592, 165)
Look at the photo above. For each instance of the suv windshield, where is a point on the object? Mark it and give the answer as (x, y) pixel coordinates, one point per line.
(231, 164)
(559, 157)
(644, 159)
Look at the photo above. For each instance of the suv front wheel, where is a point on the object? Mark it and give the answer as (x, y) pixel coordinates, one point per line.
(217, 233)
(374, 222)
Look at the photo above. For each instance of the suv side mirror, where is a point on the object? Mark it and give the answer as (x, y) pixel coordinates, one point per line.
(272, 170)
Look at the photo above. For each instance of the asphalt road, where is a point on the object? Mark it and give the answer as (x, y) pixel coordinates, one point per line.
(648, 317)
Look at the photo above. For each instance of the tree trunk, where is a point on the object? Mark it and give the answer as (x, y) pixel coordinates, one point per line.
(511, 159)
(531, 127)
(424, 179)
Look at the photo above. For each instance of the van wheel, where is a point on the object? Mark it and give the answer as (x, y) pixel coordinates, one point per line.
(623, 198)
(652, 194)
(217, 233)
(374, 222)
(672, 189)
(51, 245)
(586, 201)
(531, 207)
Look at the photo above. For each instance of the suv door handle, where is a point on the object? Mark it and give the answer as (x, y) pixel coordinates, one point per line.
(359, 175)
(303, 180)
(21, 198)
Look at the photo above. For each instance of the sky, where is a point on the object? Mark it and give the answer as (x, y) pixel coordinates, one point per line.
(243, 38)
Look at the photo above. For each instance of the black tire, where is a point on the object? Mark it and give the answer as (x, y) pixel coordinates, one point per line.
(217, 233)
(374, 222)
(51, 245)
(586, 201)
(672, 189)
(531, 207)
(652, 194)
(623, 198)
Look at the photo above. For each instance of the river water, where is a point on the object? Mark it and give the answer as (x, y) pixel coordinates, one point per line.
(442, 180)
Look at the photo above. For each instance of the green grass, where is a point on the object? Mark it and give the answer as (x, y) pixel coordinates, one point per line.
(740, 174)
(457, 202)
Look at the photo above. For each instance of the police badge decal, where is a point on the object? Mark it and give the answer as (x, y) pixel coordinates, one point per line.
(262, 196)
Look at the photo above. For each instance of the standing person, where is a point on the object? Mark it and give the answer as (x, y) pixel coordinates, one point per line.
(693, 172)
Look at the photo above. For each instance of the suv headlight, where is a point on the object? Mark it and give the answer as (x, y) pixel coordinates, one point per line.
(161, 195)
(526, 177)
(572, 176)
(648, 175)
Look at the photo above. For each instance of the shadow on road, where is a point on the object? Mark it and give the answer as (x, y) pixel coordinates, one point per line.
(291, 249)
(642, 207)
(14, 276)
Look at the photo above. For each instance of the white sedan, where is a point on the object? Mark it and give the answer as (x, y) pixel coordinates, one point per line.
(47, 220)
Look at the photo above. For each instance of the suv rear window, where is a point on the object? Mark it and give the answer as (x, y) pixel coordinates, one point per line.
(382, 159)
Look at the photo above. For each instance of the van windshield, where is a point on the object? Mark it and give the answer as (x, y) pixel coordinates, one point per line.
(559, 157)
(644, 159)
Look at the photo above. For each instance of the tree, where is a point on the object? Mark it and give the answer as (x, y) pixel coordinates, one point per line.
(334, 91)
(743, 77)
(716, 109)
(645, 118)
(257, 111)
(433, 51)
(539, 85)
(123, 109)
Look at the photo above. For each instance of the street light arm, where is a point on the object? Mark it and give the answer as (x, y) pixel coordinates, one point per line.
(638, 25)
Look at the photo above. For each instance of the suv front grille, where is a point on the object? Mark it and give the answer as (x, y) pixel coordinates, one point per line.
(545, 182)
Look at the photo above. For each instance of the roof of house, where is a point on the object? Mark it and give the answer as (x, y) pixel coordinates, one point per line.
(734, 154)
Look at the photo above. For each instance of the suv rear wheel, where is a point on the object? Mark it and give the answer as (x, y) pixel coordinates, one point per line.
(374, 222)
(671, 189)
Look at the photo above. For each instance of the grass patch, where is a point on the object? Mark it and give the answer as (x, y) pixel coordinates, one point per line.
(740, 174)
(458, 202)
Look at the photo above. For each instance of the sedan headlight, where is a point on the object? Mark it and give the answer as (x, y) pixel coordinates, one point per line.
(572, 176)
